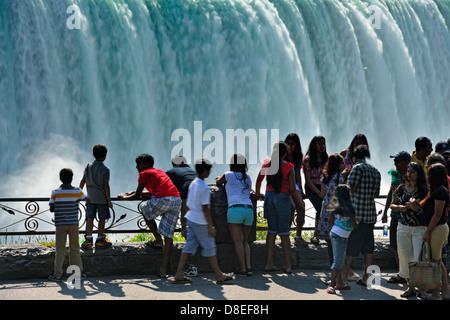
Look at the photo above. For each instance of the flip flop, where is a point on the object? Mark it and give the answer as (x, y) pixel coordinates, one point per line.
(344, 287)
(326, 282)
(397, 279)
(226, 280)
(182, 281)
(408, 293)
(331, 290)
(241, 273)
(353, 277)
(273, 269)
(361, 283)
(300, 241)
(151, 244)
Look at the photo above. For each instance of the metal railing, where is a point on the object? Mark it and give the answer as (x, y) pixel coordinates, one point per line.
(33, 218)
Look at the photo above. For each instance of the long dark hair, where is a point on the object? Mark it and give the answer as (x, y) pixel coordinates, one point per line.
(298, 154)
(421, 183)
(331, 167)
(279, 151)
(238, 163)
(437, 177)
(312, 152)
(340, 202)
(357, 137)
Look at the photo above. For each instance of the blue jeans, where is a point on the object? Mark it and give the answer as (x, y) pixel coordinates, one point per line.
(339, 245)
(277, 210)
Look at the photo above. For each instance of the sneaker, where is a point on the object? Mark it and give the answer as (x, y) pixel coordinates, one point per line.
(82, 277)
(56, 279)
(102, 243)
(190, 270)
(88, 243)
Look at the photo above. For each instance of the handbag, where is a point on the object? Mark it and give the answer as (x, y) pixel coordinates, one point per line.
(424, 273)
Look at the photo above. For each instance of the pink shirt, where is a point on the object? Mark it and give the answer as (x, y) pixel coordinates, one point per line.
(315, 173)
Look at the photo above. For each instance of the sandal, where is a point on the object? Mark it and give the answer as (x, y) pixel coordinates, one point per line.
(397, 279)
(361, 283)
(423, 296)
(331, 290)
(151, 244)
(301, 241)
(326, 282)
(182, 281)
(241, 273)
(315, 240)
(354, 277)
(227, 279)
(344, 287)
(408, 293)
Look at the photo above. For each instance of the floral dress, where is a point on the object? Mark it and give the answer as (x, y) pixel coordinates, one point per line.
(348, 161)
(324, 227)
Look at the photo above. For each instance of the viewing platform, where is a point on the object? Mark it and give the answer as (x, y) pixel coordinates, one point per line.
(21, 261)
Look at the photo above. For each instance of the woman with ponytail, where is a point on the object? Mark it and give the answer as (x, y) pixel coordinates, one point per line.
(240, 209)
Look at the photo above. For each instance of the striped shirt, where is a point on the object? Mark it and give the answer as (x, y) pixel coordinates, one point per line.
(64, 201)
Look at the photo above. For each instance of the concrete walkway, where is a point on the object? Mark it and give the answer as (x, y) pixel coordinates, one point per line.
(300, 285)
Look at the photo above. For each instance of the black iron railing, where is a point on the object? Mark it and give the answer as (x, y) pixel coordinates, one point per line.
(30, 219)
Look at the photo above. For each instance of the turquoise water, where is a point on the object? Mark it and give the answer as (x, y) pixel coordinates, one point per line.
(137, 70)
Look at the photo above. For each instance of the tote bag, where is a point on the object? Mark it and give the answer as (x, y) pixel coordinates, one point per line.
(424, 273)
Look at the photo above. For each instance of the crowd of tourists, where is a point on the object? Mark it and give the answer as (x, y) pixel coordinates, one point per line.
(342, 188)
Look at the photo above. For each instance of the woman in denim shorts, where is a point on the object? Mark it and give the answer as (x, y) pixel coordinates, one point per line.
(277, 203)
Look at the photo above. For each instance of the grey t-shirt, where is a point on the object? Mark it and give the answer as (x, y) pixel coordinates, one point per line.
(96, 174)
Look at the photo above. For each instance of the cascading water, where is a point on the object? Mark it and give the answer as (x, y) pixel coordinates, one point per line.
(137, 70)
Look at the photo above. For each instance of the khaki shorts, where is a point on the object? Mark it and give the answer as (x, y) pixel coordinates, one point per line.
(437, 240)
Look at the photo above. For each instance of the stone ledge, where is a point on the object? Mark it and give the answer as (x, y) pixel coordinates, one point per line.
(36, 261)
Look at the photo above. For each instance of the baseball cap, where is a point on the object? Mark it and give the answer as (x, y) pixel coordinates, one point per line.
(402, 155)
(442, 147)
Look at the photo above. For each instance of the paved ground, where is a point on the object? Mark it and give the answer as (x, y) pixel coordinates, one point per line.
(300, 285)
(264, 295)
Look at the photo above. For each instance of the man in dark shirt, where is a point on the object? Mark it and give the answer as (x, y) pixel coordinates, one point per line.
(364, 181)
(182, 175)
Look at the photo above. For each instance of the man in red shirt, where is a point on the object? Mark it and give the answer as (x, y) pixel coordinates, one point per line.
(164, 201)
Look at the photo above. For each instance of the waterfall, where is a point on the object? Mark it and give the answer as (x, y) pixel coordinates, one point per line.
(137, 70)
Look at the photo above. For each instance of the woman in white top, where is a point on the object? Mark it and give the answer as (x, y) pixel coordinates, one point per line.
(240, 209)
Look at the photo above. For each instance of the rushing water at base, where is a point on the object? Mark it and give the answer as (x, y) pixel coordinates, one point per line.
(137, 70)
